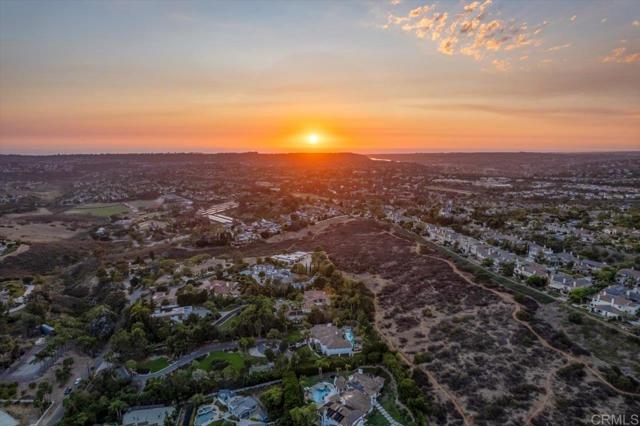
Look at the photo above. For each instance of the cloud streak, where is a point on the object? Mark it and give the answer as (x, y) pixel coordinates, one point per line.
(619, 55)
(543, 112)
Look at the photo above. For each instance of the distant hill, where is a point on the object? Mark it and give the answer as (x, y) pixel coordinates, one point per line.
(74, 165)
(517, 163)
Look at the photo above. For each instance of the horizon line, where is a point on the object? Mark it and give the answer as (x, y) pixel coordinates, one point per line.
(367, 153)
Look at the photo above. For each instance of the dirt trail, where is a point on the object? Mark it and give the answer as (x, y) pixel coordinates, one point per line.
(541, 404)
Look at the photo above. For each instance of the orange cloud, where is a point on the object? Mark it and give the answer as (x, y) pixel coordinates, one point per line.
(470, 32)
(619, 56)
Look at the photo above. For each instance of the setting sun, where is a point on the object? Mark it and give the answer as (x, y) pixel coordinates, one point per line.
(313, 138)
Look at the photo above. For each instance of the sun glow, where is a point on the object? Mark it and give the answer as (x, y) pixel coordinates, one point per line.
(313, 138)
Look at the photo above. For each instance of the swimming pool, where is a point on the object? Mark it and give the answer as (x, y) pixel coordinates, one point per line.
(348, 334)
(320, 391)
(205, 415)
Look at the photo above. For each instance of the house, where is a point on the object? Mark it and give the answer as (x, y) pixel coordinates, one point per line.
(291, 259)
(353, 398)
(591, 265)
(245, 407)
(565, 282)
(296, 315)
(536, 250)
(266, 271)
(628, 276)
(482, 252)
(225, 395)
(314, 299)
(369, 384)
(179, 313)
(565, 259)
(331, 340)
(154, 415)
(348, 409)
(222, 288)
(615, 302)
(529, 269)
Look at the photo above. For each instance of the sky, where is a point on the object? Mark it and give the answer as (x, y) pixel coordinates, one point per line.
(311, 75)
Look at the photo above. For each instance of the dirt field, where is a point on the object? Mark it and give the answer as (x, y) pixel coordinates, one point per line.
(37, 232)
(42, 211)
(310, 230)
(22, 248)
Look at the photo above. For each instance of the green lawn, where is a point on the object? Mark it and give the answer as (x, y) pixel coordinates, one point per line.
(154, 364)
(376, 419)
(294, 337)
(99, 209)
(234, 359)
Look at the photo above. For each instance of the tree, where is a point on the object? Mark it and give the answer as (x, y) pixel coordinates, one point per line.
(488, 262)
(536, 281)
(304, 416)
(245, 343)
(578, 295)
(197, 399)
(507, 269)
(117, 407)
(292, 391)
(272, 400)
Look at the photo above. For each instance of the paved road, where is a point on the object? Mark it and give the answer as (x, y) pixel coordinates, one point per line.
(226, 316)
(55, 412)
(186, 359)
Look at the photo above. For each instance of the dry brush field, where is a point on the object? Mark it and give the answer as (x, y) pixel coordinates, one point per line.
(483, 361)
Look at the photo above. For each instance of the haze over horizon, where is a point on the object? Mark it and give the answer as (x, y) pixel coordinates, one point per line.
(366, 77)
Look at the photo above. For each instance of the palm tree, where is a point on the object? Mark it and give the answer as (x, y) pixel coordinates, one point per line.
(116, 407)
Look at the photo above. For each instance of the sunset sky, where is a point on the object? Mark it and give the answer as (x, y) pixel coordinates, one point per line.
(360, 76)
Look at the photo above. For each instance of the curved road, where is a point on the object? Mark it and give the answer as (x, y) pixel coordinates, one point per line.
(186, 359)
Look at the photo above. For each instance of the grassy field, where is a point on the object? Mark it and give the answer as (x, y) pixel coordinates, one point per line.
(99, 209)
(234, 359)
(153, 365)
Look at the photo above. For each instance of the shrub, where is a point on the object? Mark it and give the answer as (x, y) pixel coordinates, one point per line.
(524, 315)
(575, 317)
(573, 372)
(423, 357)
